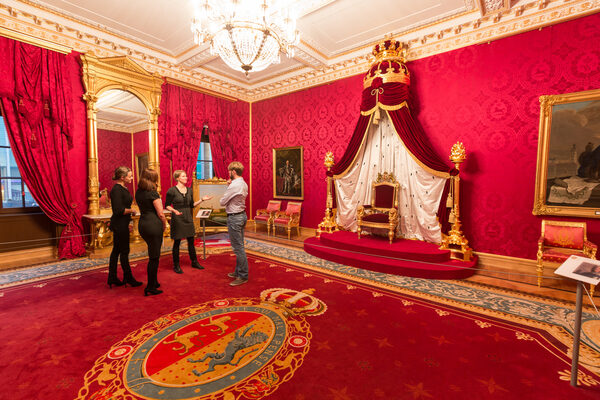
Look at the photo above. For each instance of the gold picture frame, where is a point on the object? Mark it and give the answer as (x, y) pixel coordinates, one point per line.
(288, 173)
(141, 163)
(568, 160)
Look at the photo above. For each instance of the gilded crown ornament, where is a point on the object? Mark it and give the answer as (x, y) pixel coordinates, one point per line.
(329, 160)
(390, 56)
(458, 154)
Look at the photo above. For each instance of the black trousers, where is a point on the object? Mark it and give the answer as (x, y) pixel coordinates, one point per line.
(151, 232)
(120, 250)
(191, 250)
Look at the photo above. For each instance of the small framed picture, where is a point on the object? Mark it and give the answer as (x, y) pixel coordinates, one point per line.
(204, 213)
(581, 269)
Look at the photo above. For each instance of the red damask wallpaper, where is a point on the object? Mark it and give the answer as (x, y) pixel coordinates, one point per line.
(114, 150)
(485, 96)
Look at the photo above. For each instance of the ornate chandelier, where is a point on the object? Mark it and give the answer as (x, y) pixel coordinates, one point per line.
(248, 35)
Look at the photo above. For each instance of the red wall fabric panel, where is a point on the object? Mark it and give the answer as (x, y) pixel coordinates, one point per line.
(485, 96)
(114, 150)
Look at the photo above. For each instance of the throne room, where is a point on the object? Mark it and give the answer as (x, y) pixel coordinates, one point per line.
(303, 200)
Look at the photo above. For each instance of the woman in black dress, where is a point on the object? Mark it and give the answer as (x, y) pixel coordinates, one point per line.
(180, 201)
(152, 225)
(120, 201)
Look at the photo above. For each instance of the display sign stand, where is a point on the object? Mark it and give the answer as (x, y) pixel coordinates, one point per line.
(583, 270)
(203, 214)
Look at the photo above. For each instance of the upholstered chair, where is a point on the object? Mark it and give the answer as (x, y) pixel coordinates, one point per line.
(383, 210)
(266, 215)
(289, 218)
(559, 241)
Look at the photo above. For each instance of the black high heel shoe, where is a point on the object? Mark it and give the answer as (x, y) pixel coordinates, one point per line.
(151, 292)
(196, 264)
(115, 282)
(132, 282)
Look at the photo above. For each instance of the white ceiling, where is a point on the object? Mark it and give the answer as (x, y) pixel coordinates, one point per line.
(336, 36)
(327, 27)
(120, 110)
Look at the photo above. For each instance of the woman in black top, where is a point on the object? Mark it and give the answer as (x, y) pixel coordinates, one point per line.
(180, 201)
(120, 201)
(152, 225)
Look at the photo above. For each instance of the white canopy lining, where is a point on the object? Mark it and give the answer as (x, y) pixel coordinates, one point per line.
(420, 191)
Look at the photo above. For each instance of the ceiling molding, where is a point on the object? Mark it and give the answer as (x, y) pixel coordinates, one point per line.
(124, 128)
(465, 29)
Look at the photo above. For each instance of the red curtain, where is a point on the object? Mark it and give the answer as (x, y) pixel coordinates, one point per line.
(179, 129)
(410, 132)
(36, 98)
(184, 112)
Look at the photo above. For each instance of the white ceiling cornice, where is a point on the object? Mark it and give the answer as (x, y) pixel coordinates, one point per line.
(475, 25)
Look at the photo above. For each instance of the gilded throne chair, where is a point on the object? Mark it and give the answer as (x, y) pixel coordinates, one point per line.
(288, 219)
(383, 210)
(266, 215)
(559, 241)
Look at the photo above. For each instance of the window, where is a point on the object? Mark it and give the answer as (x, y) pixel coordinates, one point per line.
(204, 164)
(13, 191)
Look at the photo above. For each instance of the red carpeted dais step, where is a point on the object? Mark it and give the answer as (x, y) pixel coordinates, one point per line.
(450, 269)
(380, 246)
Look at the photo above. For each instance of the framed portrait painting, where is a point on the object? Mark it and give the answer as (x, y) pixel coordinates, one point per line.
(568, 160)
(288, 173)
(141, 163)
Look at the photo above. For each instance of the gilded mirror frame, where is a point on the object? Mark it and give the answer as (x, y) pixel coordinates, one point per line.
(101, 75)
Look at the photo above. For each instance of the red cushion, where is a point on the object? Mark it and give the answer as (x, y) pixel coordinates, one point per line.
(378, 217)
(273, 206)
(264, 218)
(558, 255)
(570, 237)
(384, 196)
(103, 201)
(281, 221)
(293, 208)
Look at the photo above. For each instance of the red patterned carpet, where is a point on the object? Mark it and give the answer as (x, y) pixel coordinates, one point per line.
(74, 338)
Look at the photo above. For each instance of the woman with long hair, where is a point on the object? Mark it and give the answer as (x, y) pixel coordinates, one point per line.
(152, 225)
(180, 201)
(120, 201)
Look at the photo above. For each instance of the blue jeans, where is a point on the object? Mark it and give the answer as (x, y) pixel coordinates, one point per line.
(235, 228)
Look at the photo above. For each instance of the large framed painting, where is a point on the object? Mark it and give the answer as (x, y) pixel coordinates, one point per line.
(568, 160)
(288, 173)
(217, 218)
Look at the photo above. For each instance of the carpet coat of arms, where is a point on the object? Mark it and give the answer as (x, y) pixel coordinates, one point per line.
(241, 348)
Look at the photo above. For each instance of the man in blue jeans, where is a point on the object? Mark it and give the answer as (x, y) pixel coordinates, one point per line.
(234, 200)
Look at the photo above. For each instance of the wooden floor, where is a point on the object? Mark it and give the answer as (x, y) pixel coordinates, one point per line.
(520, 285)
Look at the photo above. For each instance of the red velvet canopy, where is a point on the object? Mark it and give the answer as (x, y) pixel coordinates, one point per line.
(386, 87)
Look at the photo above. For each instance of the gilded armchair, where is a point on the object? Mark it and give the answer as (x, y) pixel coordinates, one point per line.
(289, 218)
(266, 215)
(383, 210)
(559, 241)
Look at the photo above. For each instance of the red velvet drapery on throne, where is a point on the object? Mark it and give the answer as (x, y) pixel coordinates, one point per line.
(36, 97)
(386, 87)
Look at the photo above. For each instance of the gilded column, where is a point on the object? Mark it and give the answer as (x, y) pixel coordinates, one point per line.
(153, 152)
(328, 224)
(92, 138)
(455, 241)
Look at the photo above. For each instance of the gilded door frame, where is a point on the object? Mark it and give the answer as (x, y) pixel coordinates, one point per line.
(100, 75)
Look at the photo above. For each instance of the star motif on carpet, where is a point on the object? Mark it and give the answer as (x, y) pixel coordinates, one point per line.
(96, 324)
(341, 394)
(55, 359)
(418, 391)
(497, 337)
(441, 340)
(361, 313)
(383, 343)
(323, 345)
(492, 386)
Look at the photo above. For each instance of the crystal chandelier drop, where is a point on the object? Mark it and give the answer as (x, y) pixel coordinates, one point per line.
(248, 35)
